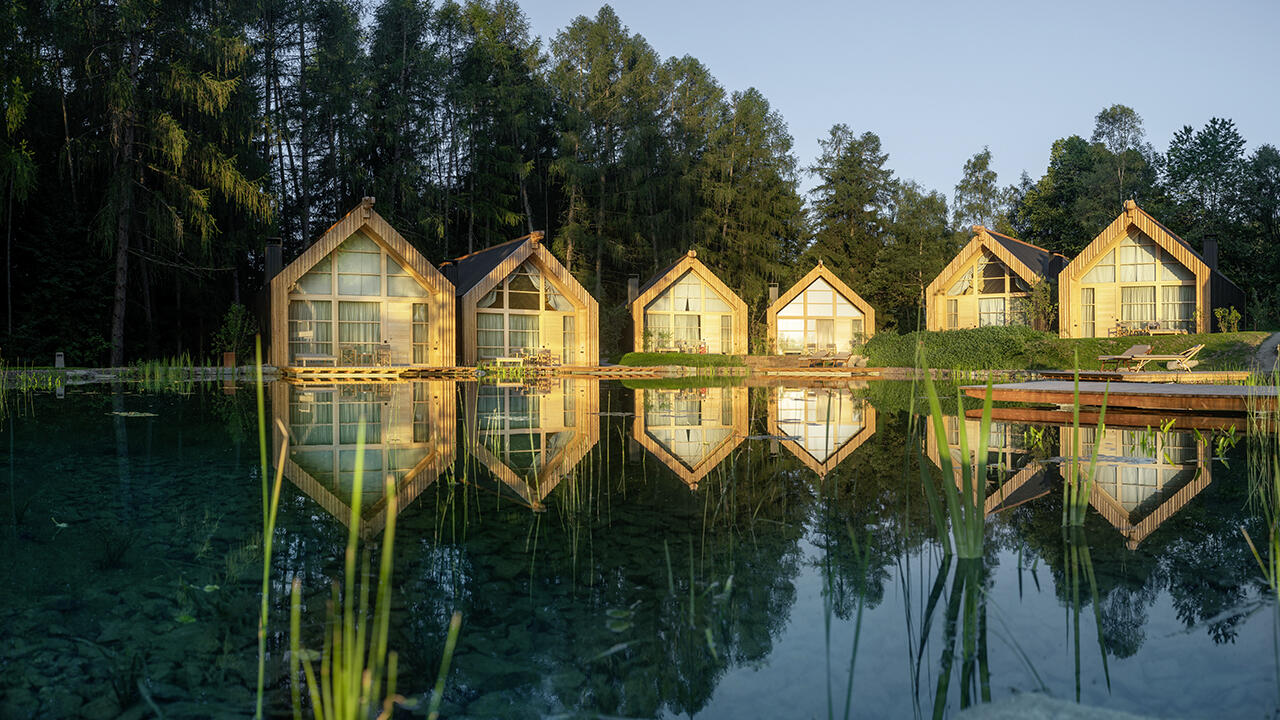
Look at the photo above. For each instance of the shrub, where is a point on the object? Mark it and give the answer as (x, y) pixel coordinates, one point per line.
(236, 333)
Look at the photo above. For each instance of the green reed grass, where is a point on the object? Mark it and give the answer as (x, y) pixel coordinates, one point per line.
(1078, 485)
(1263, 442)
(270, 504)
(1080, 566)
(962, 488)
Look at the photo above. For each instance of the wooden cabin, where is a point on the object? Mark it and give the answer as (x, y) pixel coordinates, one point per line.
(409, 437)
(819, 314)
(691, 431)
(1138, 276)
(360, 296)
(1022, 477)
(823, 425)
(989, 283)
(516, 298)
(1142, 478)
(530, 440)
(686, 308)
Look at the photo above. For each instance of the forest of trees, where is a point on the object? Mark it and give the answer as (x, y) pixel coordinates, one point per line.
(150, 148)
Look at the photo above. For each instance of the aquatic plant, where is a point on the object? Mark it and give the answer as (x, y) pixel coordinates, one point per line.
(962, 488)
(1079, 565)
(269, 507)
(1264, 479)
(1078, 482)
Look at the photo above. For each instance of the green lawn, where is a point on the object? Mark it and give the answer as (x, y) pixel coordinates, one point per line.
(1012, 348)
(644, 359)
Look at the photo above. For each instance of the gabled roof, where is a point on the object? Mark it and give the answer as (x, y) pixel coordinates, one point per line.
(362, 218)
(822, 271)
(1046, 264)
(1152, 228)
(469, 270)
(676, 270)
(1027, 261)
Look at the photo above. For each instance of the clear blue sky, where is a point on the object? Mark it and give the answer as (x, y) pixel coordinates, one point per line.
(937, 81)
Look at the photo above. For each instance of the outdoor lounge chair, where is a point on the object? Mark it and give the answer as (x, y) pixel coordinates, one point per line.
(819, 359)
(1122, 360)
(1182, 361)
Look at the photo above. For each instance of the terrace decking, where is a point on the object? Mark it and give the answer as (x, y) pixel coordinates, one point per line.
(1115, 418)
(1237, 399)
(1197, 377)
(367, 373)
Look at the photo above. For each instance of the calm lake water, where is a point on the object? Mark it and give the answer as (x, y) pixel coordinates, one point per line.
(719, 552)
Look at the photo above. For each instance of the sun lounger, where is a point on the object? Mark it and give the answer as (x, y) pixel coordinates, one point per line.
(1184, 360)
(1123, 359)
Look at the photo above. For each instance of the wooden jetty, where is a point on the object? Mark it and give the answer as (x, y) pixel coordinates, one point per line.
(1117, 417)
(1169, 397)
(1198, 377)
(370, 373)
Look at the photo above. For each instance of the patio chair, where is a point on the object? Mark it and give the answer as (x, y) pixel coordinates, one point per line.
(1122, 360)
(1183, 361)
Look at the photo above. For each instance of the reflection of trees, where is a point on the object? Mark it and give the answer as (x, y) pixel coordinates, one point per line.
(1197, 555)
(866, 495)
(578, 608)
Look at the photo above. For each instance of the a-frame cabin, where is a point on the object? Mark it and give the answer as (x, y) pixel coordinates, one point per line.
(687, 308)
(820, 313)
(1137, 275)
(517, 298)
(360, 296)
(989, 282)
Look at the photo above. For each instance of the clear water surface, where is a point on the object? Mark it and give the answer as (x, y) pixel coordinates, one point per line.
(717, 552)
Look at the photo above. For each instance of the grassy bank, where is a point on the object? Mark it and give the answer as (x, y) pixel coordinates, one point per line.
(993, 348)
(643, 359)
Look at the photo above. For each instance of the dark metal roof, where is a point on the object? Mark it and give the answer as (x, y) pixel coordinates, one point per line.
(1040, 261)
(467, 271)
(659, 275)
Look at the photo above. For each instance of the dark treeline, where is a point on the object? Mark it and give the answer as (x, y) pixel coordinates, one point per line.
(150, 148)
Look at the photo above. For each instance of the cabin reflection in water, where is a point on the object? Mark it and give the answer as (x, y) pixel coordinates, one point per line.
(826, 424)
(690, 430)
(1143, 477)
(409, 437)
(530, 438)
(1014, 475)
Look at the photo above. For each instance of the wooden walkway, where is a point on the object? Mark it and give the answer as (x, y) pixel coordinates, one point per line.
(1117, 417)
(367, 373)
(1199, 377)
(1237, 399)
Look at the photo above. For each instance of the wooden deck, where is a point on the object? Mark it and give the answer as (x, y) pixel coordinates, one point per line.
(1236, 399)
(366, 373)
(1199, 377)
(1118, 417)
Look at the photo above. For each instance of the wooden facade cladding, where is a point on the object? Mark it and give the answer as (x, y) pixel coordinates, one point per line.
(936, 293)
(586, 309)
(690, 264)
(822, 467)
(532, 490)
(395, 433)
(693, 474)
(820, 271)
(1071, 322)
(365, 220)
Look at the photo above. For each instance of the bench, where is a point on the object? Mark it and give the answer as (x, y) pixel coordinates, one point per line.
(314, 359)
